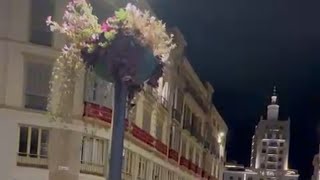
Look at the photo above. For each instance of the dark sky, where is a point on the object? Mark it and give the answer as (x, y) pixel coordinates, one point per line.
(244, 47)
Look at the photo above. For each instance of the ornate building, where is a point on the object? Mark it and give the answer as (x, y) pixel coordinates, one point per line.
(173, 132)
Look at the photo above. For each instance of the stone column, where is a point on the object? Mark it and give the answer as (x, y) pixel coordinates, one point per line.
(64, 154)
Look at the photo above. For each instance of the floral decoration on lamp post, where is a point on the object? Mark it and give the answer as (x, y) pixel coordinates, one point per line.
(128, 49)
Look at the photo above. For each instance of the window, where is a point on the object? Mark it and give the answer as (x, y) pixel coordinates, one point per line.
(37, 85)
(175, 138)
(39, 32)
(127, 162)
(269, 135)
(231, 177)
(264, 151)
(186, 117)
(191, 153)
(33, 142)
(156, 172)
(239, 178)
(93, 151)
(197, 159)
(142, 168)
(146, 120)
(183, 148)
(170, 175)
(98, 91)
(280, 159)
(279, 167)
(159, 129)
(281, 144)
(250, 178)
(281, 152)
(264, 143)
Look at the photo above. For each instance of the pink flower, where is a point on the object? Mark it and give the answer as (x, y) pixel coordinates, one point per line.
(49, 20)
(105, 27)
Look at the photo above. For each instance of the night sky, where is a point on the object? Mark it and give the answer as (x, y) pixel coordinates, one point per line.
(244, 47)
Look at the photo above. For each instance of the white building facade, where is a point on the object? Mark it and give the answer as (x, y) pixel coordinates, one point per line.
(174, 132)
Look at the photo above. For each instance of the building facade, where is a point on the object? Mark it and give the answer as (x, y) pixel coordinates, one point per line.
(173, 132)
(235, 171)
(270, 145)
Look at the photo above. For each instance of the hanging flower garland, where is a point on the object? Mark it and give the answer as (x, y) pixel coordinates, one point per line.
(88, 41)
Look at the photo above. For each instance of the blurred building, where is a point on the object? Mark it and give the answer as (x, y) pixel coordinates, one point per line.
(173, 132)
(316, 168)
(235, 171)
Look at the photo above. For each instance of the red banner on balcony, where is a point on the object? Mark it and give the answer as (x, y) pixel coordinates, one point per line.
(142, 135)
(161, 147)
(184, 162)
(96, 111)
(192, 167)
(204, 174)
(173, 155)
(199, 170)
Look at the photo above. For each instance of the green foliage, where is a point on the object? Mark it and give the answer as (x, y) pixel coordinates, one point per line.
(121, 15)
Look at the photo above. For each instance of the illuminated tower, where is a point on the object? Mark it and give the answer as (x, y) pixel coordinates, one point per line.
(270, 144)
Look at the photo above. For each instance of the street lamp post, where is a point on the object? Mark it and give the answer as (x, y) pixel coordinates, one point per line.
(118, 128)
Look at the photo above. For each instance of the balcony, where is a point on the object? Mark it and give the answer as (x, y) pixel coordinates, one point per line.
(272, 160)
(273, 144)
(198, 171)
(193, 167)
(173, 154)
(161, 147)
(26, 160)
(99, 112)
(142, 135)
(93, 169)
(204, 174)
(184, 162)
(272, 151)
